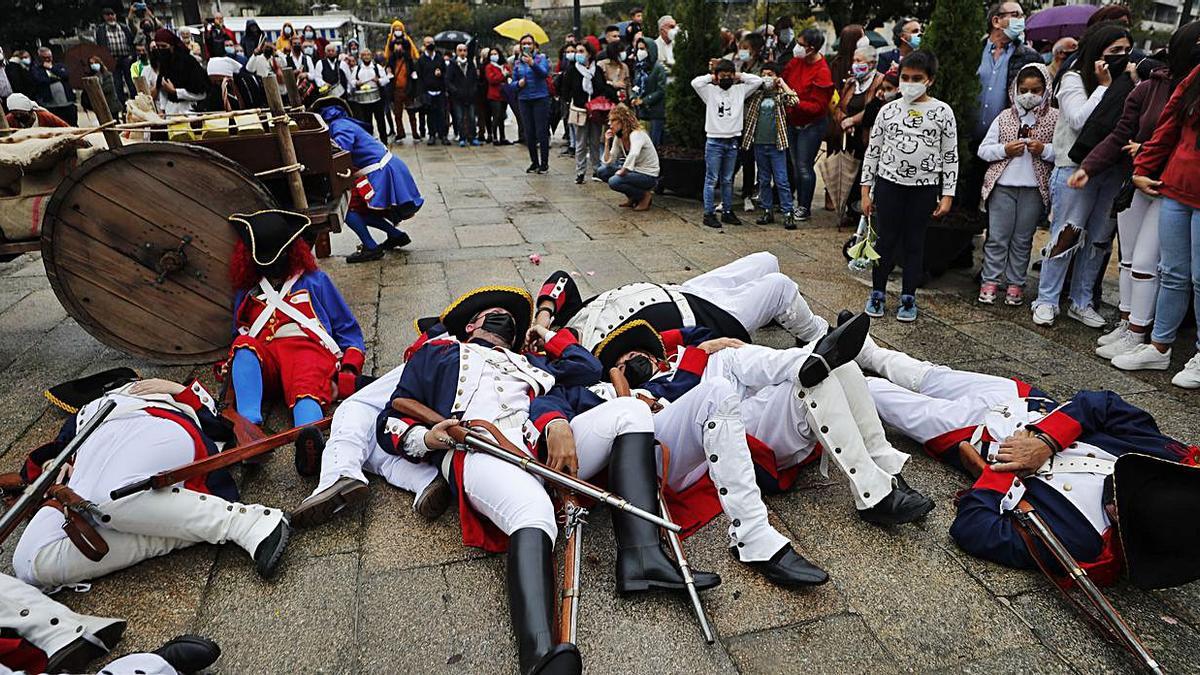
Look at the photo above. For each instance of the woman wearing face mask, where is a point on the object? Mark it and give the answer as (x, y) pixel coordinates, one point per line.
(582, 82)
(1172, 155)
(496, 74)
(310, 34)
(616, 73)
(1016, 186)
(182, 84)
(107, 86)
(401, 54)
(284, 42)
(841, 69)
(909, 173)
(1137, 225)
(1080, 216)
(858, 91)
(650, 89)
(533, 96)
(808, 75)
(18, 71)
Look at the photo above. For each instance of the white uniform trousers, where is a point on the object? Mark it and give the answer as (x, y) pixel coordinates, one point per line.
(139, 664)
(925, 401)
(514, 499)
(352, 446)
(754, 292)
(44, 623)
(144, 525)
(703, 431)
(790, 418)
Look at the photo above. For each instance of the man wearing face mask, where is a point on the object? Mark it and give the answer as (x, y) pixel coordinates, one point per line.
(462, 82)
(906, 35)
(53, 87)
(19, 76)
(480, 374)
(1004, 54)
(431, 76)
(667, 30)
(117, 38)
(724, 93)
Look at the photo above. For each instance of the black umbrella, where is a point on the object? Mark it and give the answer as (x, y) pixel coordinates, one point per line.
(450, 38)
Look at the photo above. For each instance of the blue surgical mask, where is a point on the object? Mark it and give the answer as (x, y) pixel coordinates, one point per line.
(581, 58)
(494, 58)
(914, 41)
(95, 67)
(1016, 26)
(229, 49)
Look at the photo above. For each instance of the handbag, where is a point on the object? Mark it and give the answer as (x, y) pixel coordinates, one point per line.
(598, 109)
(577, 116)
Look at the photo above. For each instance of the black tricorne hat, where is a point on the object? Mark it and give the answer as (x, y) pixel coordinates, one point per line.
(74, 394)
(269, 233)
(1157, 502)
(514, 300)
(633, 336)
(327, 101)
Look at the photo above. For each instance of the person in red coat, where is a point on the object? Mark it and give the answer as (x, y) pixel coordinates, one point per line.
(808, 75)
(496, 74)
(1171, 155)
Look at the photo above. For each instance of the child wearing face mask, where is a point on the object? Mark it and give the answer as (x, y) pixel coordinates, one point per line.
(1020, 151)
(909, 173)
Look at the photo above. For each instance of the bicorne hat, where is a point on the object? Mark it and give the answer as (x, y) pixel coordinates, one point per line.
(1157, 502)
(633, 336)
(514, 300)
(269, 233)
(74, 394)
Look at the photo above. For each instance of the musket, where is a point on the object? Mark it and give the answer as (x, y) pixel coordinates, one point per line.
(34, 495)
(574, 518)
(1035, 527)
(179, 474)
(463, 437)
(621, 386)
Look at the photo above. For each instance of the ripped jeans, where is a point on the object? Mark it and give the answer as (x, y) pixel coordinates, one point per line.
(1086, 212)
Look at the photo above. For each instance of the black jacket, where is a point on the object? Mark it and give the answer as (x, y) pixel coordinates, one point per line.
(462, 85)
(425, 73)
(20, 78)
(572, 86)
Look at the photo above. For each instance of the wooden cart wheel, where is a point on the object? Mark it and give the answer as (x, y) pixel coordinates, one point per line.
(136, 246)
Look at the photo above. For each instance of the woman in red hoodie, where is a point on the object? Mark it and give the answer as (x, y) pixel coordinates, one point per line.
(1172, 154)
(496, 74)
(808, 75)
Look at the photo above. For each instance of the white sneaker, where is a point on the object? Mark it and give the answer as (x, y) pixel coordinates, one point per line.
(1114, 334)
(1189, 377)
(1043, 315)
(1087, 316)
(1128, 341)
(1143, 357)
(748, 205)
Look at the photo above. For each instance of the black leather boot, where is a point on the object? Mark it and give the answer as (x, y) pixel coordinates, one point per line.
(837, 348)
(902, 505)
(189, 653)
(641, 563)
(531, 605)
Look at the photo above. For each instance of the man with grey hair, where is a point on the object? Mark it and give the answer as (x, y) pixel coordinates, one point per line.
(1062, 50)
(667, 30)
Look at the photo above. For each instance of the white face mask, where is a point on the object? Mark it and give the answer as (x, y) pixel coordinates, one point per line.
(911, 91)
(799, 51)
(1029, 100)
(462, 59)
(743, 54)
(672, 33)
(642, 54)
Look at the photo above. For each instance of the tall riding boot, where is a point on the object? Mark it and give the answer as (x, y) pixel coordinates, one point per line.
(531, 605)
(799, 320)
(641, 563)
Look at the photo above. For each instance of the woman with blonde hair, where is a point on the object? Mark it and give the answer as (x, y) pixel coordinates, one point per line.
(630, 160)
(401, 56)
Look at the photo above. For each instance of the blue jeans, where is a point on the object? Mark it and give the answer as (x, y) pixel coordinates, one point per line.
(359, 222)
(803, 143)
(536, 115)
(1087, 211)
(772, 165)
(657, 127)
(1178, 268)
(633, 184)
(464, 120)
(720, 156)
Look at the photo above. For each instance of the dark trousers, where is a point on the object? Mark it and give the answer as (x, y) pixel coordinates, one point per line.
(435, 113)
(536, 113)
(464, 121)
(68, 113)
(123, 81)
(745, 162)
(376, 111)
(497, 119)
(902, 215)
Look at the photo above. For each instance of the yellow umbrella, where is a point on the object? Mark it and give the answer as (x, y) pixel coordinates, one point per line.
(515, 29)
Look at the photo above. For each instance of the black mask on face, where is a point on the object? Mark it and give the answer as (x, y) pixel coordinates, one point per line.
(1116, 63)
(725, 83)
(638, 370)
(502, 325)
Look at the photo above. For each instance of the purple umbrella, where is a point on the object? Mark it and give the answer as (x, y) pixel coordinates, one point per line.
(1058, 22)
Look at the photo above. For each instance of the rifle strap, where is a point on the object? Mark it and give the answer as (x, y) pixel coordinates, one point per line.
(1058, 581)
(80, 532)
(500, 438)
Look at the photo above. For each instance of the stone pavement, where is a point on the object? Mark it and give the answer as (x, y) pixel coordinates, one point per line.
(385, 592)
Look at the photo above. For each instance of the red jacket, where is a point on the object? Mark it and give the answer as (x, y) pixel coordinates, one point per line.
(495, 80)
(813, 83)
(1173, 151)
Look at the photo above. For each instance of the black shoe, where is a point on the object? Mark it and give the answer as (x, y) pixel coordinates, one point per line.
(902, 505)
(730, 219)
(394, 241)
(710, 220)
(641, 563)
(567, 152)
(789, 222)
(788, 569)
(837, 348)
(434, 499)
(309, 446)
(75, 657)
(365, 255)
(844, 316)
(189, 653)
(270, 551)
(432, 140)
(543, 169)
(579, 179)
(347, 494)
(445, 141)
(766, 218)
(532, 168)
(504, 141)
(531, 586)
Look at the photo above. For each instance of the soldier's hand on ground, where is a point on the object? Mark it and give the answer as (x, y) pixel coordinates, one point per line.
(1022, 454)
(560, 448)
(716, 345)
(438, 438)
(155, 386)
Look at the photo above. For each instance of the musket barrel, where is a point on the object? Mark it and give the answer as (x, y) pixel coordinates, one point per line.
(677, 549)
